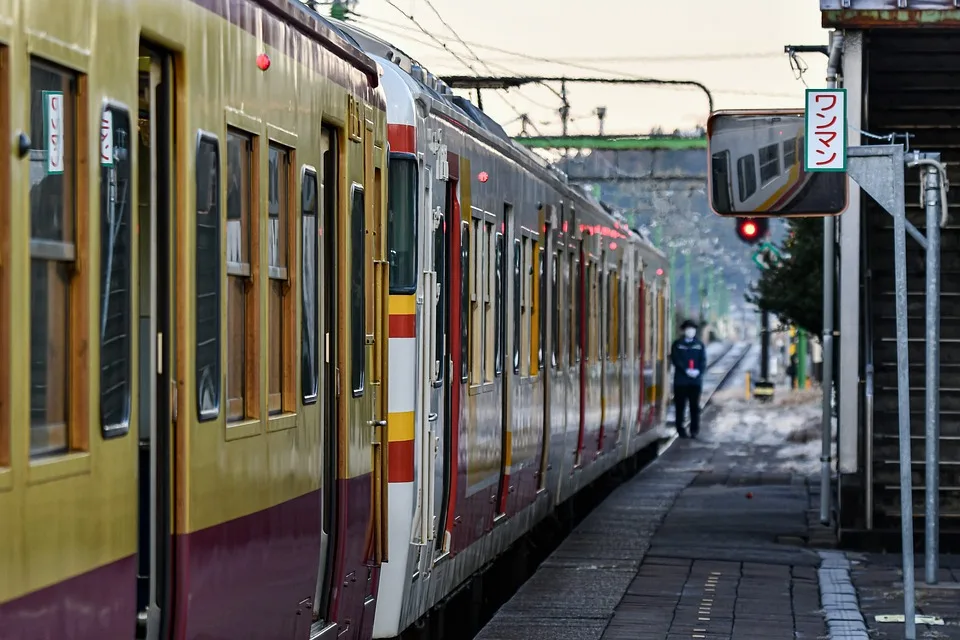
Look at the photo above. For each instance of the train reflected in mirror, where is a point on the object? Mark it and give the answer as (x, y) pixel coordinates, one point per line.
(756, 167)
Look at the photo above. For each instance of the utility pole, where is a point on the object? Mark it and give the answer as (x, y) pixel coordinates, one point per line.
(564, 117)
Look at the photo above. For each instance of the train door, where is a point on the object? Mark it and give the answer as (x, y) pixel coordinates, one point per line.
(581, 371)
(325, 290)
(154, 398)
(451, 263)
(548, 303)
(510, 374)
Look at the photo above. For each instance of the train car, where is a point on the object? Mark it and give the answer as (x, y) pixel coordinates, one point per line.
(527, 339)
(193, 304)
(763, 175)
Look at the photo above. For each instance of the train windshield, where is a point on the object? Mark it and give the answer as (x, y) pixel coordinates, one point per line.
(402, 224)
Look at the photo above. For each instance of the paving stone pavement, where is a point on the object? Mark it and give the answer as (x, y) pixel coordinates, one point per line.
(701, 545)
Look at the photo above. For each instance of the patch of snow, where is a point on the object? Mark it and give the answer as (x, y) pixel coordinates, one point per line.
(790, 424)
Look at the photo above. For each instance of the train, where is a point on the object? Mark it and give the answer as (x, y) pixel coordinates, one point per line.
(302, 344)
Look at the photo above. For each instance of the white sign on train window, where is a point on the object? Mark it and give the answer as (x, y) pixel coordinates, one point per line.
(106, 138)
(825, 139)
(53, 130)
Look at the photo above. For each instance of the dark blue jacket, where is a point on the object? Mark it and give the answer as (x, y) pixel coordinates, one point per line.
(681, 353)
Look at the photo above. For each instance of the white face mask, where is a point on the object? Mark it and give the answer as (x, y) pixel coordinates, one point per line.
(690, 332)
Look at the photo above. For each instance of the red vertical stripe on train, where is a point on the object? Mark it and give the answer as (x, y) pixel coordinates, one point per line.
(402, 138)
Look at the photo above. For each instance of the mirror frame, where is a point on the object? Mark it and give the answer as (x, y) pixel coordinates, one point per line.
(762, 214)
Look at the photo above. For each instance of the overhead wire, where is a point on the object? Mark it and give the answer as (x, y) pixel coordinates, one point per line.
(454, 54)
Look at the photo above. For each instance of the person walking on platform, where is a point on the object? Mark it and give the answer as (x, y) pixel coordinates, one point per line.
(689, 359)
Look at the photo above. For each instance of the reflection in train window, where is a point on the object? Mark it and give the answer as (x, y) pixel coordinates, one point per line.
(747, 176)
(722, 198)
(789, 153)
(769, 162)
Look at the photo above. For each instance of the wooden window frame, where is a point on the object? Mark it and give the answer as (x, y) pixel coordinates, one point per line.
(250, 272)
(76, 434)
(288, 276)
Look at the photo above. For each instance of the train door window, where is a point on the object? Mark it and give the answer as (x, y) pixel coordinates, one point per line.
(536, 353)
(464, 300)
(499, 309)
(440, 266)
(747, 176)
(487, 285)
(542, 310)
(309, 264)
(612, 319)
(402, 223)
(720, 165)
(555, 310)
(280, 306)
(116, 238)
(576, 309)
(56, 299)
(243, 308)
(525, 278)
(517, 303)
(477, 315)
(208, 278)
(789, 153)
(769, 162)
(358, 273)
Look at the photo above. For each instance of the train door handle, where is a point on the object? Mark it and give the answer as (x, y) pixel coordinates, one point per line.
(432, 417)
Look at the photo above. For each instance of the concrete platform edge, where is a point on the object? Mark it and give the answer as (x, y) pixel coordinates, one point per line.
(841, 607)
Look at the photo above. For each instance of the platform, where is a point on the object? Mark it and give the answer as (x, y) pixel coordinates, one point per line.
(713, 541)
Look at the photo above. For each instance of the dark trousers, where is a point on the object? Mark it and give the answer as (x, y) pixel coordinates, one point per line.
(682, 394)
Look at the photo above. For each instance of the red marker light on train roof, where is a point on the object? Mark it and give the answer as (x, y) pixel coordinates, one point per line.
(659, 272)
(564, 226)
(263, 62)
(482, 176)
(613, 246)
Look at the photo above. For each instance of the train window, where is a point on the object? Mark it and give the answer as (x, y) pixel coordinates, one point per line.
(464, 300)
(533, 303)
(208, 278)
(610, 319)
(769, 162)
(53, 253)
(358, 252)
(576, 320)
(555, 311)
(720, 185)
(280, 302)
(477, 316)
(541, 309)
(746, 176)
(115, 269)
(402, 223)
(487, 286)
(309, 267)
(499, 314)
(242, 301)
(517, 305)
(789, 153)
(440, 265)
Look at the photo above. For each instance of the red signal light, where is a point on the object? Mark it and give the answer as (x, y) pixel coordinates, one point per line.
(752, 230)
(749, 229)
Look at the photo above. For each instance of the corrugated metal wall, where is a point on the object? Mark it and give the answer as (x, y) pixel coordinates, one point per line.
(912, 84)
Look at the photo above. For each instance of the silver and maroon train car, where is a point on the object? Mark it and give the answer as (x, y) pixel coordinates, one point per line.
(526, 346)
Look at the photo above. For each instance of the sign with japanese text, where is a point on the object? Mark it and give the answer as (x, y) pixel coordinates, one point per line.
(53, 130)
(825, 138)
(106, 138)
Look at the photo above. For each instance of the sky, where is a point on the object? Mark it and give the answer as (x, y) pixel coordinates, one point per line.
(734, 47)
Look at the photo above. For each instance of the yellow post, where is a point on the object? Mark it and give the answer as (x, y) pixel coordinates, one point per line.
(746, 386)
